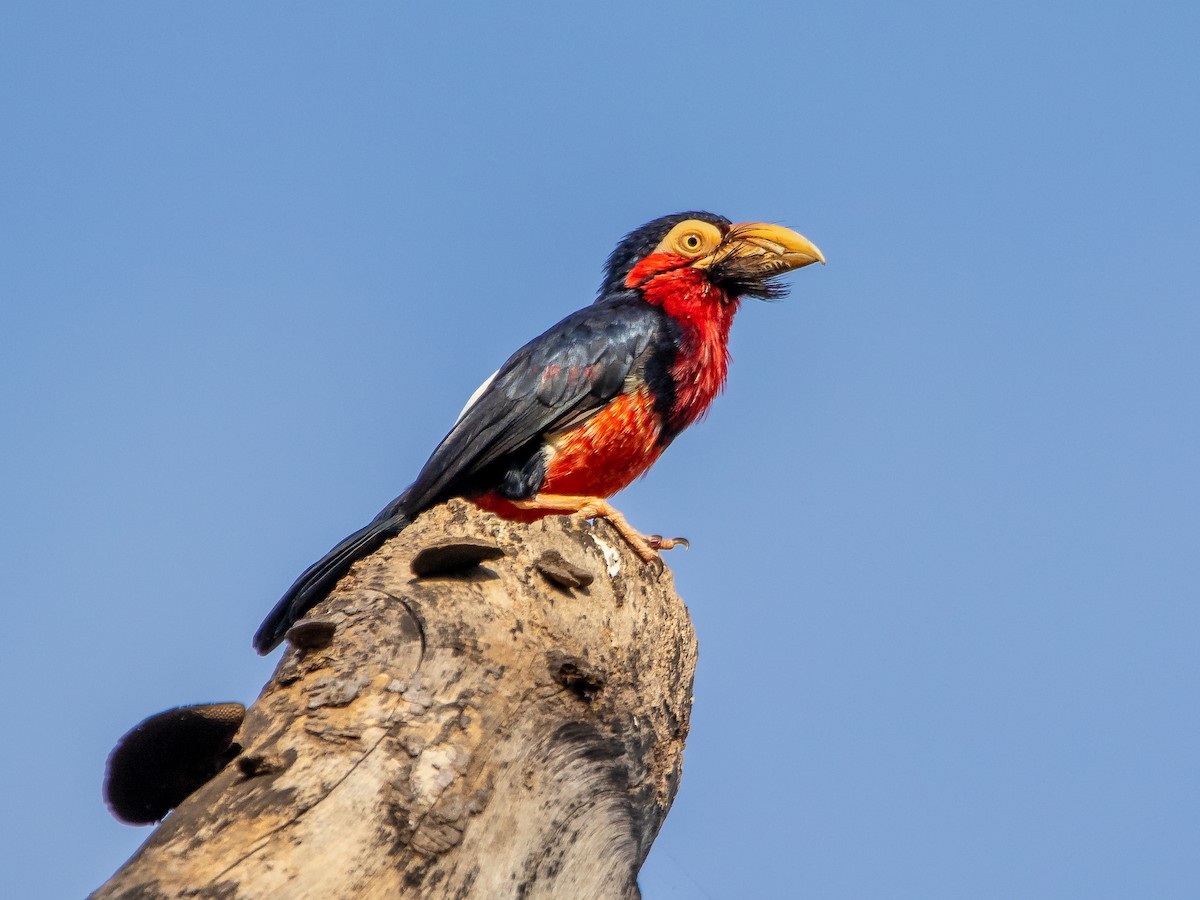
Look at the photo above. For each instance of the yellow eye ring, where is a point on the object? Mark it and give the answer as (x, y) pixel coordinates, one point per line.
(691, 239)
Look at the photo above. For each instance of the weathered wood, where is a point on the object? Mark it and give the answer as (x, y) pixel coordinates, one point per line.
(488, 732)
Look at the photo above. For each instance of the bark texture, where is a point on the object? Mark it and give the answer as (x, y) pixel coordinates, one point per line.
(508, 730)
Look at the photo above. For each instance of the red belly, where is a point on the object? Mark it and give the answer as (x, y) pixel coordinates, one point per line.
(599, 457)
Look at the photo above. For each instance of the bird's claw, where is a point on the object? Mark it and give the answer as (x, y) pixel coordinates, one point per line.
(658, 542)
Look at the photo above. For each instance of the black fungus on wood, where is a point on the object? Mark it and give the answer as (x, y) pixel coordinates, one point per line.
(561, 571)
(452, 555)
(157, 764)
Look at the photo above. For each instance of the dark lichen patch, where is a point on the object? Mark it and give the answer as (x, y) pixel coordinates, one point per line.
(414, 876)
(223, 890)
(452, 555)
(560, 571)
(468, 884)
(262, 795)
(397, 828)
(577, 676)
(147, 891)
(257, 765)
(582, 740)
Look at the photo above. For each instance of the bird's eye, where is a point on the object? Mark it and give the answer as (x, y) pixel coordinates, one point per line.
(691, 239)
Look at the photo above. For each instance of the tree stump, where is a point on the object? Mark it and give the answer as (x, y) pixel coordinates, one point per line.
(511, 729)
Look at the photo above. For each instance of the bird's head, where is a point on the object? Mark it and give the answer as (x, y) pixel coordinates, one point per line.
(702, 250)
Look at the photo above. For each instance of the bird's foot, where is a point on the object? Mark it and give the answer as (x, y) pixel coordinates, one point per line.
(645, 546)
(658, 542)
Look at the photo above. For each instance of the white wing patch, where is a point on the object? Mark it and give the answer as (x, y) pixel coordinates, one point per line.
(475, 396)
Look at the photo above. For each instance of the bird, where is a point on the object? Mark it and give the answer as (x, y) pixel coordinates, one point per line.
(585, 408)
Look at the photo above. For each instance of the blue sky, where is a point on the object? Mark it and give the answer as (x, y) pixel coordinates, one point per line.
(944, 520)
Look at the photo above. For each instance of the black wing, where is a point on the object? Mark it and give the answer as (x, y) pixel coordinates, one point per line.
(321, 577)
(558, 380)
(555, 381)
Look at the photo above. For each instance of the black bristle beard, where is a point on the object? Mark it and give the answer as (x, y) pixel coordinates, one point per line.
(741, 276)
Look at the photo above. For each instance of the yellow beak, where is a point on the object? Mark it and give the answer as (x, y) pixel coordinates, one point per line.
(776, 248)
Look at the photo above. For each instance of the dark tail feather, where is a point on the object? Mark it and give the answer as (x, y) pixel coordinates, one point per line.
(319, 579)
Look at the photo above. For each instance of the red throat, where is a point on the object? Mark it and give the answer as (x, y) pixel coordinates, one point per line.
(705, 313)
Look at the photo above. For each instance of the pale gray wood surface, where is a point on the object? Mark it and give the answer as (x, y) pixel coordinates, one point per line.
(487, 734)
